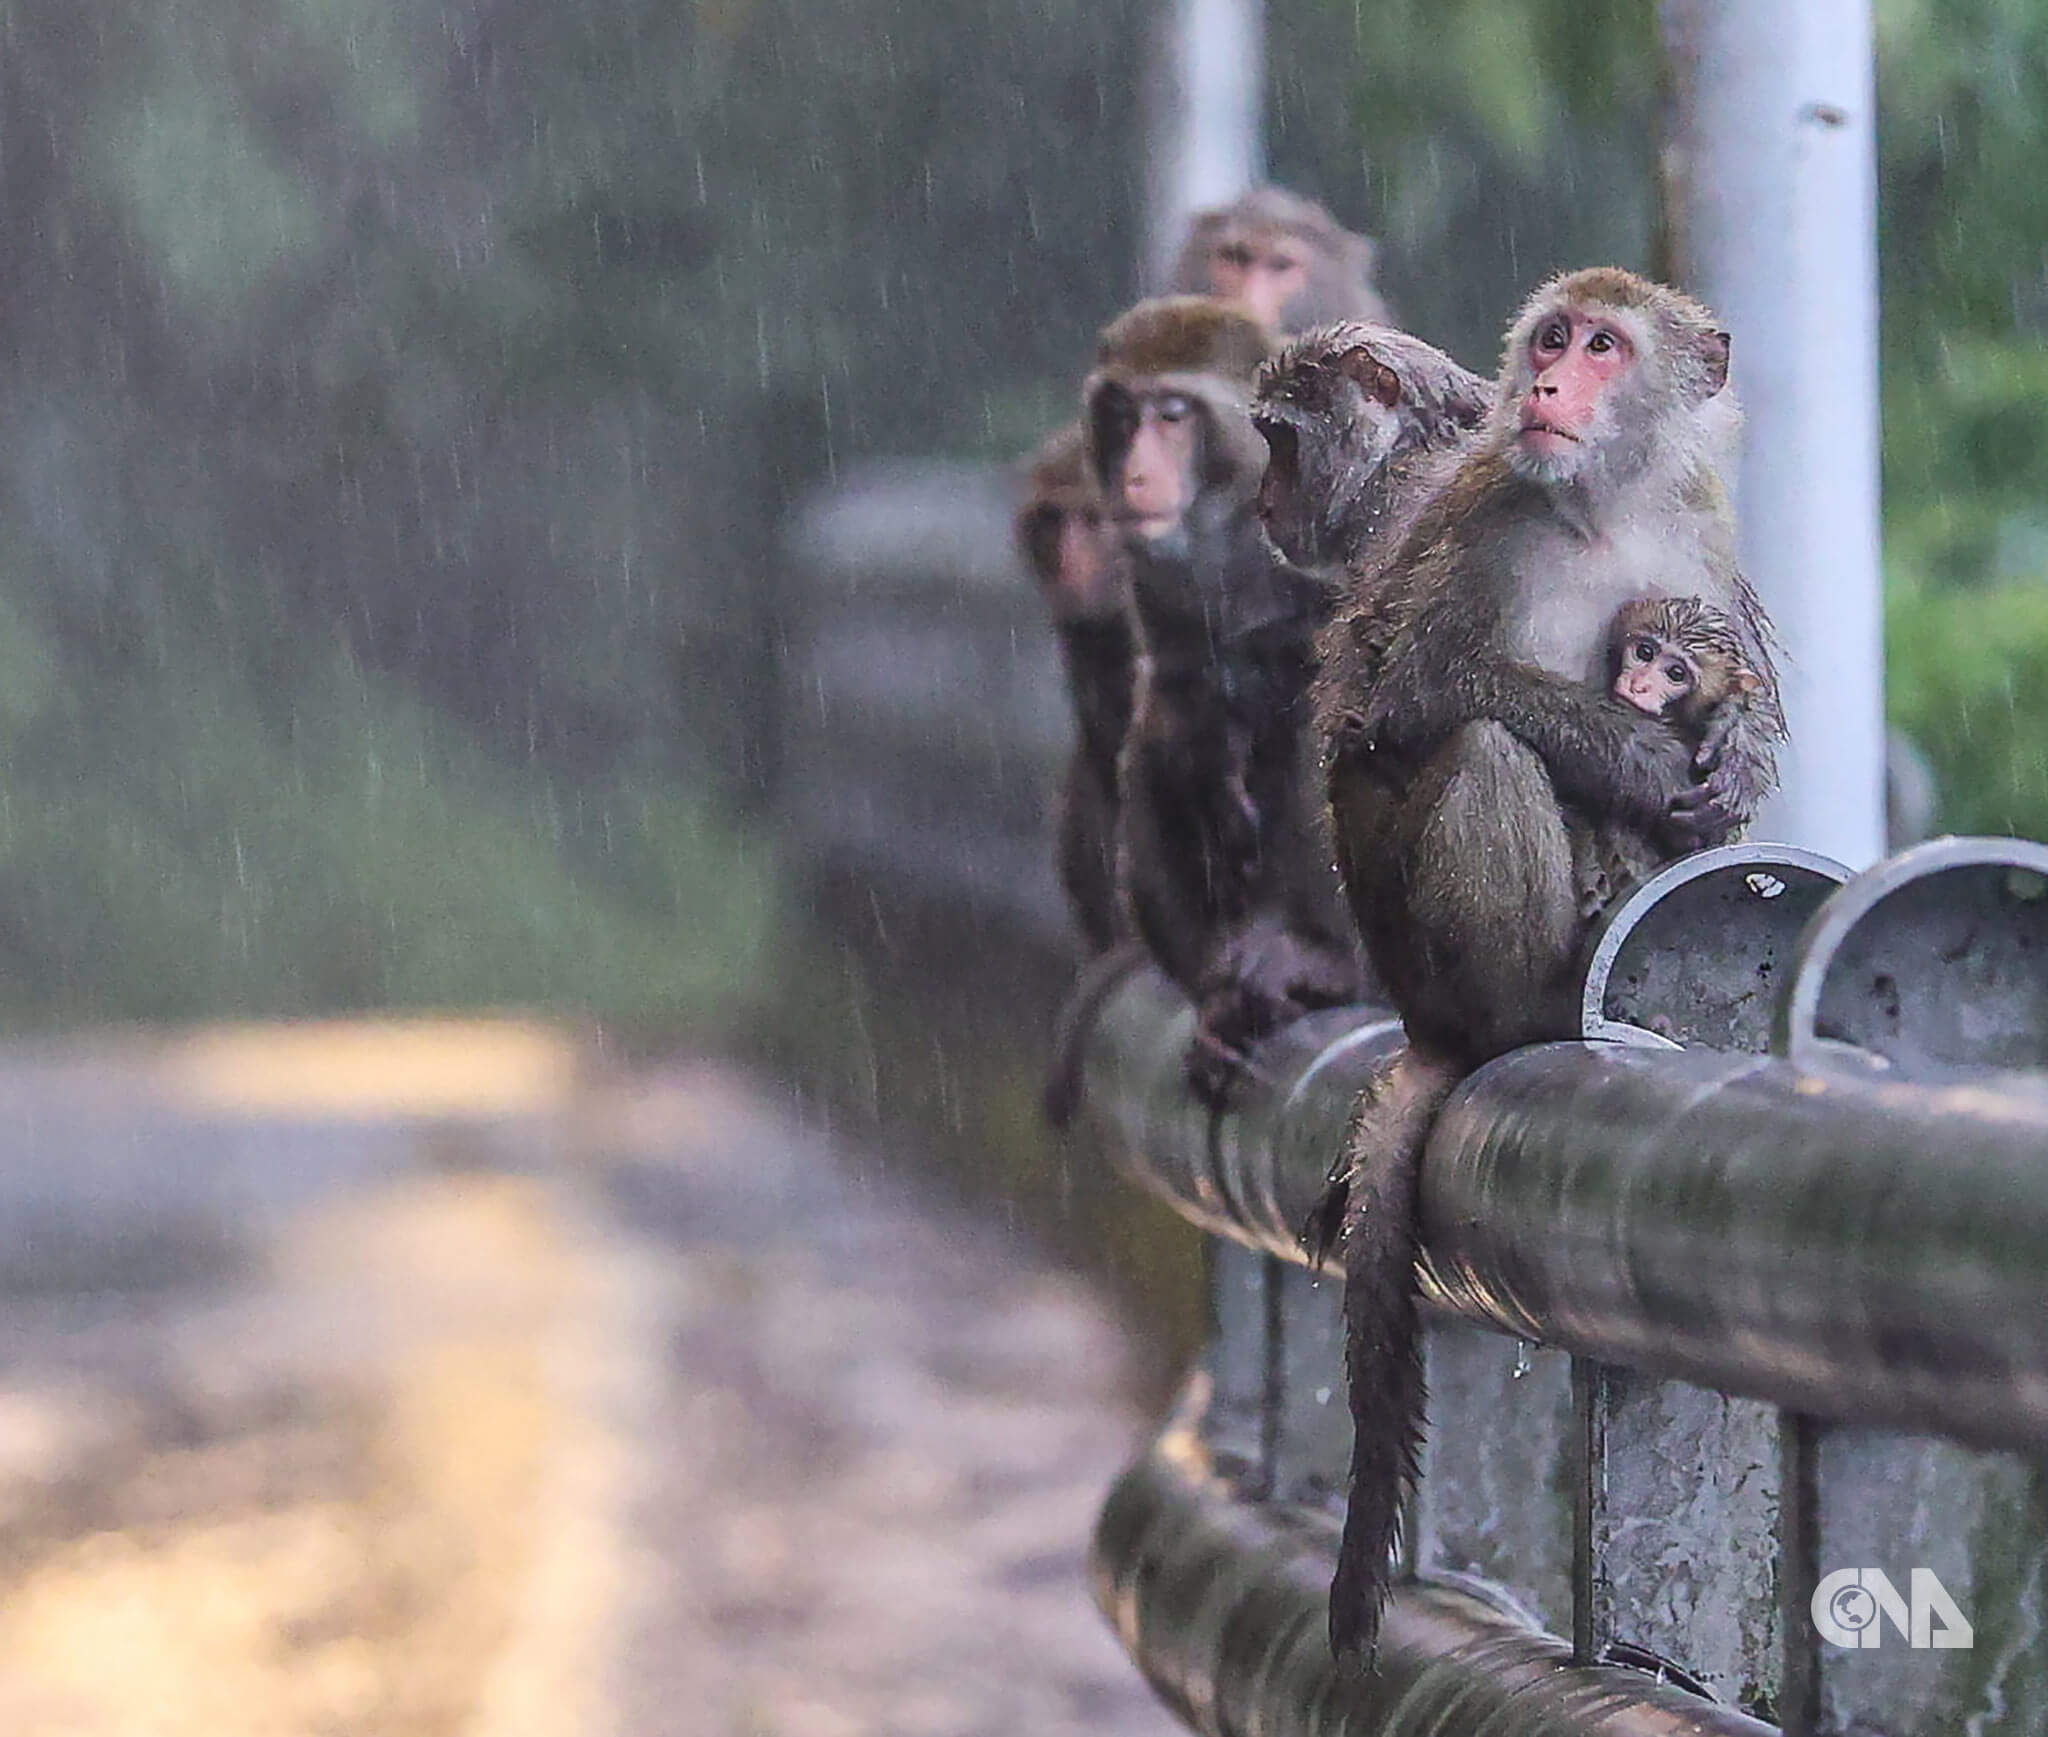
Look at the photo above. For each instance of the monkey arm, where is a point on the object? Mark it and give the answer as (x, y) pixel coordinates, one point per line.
(1738, 764)
(1603, 756)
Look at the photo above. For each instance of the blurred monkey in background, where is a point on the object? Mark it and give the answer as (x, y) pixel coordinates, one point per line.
(1282, 258)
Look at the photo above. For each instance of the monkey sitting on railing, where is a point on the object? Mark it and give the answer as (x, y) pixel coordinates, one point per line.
(1220, 861)
(1469, 724)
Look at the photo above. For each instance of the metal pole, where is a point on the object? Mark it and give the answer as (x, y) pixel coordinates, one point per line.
(1774, 225)
(1207, 102)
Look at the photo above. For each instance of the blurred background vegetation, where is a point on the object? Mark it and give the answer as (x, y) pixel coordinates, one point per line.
(402, 397)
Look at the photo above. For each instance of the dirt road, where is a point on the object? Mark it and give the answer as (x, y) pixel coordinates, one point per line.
(624, 1411)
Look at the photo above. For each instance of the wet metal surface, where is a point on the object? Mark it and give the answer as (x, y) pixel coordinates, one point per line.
(1678, 1241)
(1739, 1223)
(1682, 1536)
(1498, 1483)
(1980, 1524)
(1935, 962)
(1728, 1220)
(1221, 1601)
(1699, 953)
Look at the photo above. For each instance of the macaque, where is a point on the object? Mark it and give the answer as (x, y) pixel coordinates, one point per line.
(1064, 528)
(1354, 416)
(1669, 657)
(1065, 541)
(1467, 722)
(1282, 258)
(1218, 860)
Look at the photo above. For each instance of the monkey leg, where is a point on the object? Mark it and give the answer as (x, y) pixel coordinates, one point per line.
(1491, 922)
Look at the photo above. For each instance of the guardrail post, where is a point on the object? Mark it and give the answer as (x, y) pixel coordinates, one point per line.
(1498, 1503)
(1676, 1535)
(1312, 1419)
(1679, 1533)
(1240, 1364)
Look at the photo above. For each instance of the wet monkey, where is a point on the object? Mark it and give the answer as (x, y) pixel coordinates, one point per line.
(1065, 541)
(1282, 257)
(1675, 658)
(1071, 539)
(1219, 860)
(1354, 415)
(1070, 544)
(1467, 720)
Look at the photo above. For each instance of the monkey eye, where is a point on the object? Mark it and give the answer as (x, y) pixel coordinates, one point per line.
(1600, 343)
(1236, 253)
(1642, 650)
(1174, 408)
(1554, 336)
(1678, 675)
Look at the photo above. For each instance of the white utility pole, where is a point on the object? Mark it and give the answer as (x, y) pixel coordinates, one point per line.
(1774, 216)
(1205, 94)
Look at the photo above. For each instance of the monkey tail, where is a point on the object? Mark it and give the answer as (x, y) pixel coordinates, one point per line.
(1382, 1338)
(1099, 980)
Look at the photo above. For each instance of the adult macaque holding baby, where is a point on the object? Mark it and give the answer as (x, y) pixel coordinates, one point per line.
(1482, 747)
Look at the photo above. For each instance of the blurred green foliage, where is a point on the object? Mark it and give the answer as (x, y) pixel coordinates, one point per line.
(401, 400)
(1963, 123)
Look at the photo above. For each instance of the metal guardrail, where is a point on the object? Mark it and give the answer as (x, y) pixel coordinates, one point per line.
(924, 712)
(1788, 1197)
(1827, 1202)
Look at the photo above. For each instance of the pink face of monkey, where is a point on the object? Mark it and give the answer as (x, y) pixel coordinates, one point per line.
(1260, 270)
(1576, 357)
(1655, 674)
(1158, 480)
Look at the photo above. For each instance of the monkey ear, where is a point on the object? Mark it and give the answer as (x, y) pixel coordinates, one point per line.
(1374, 376)
(1714, 352)
(1744, 683)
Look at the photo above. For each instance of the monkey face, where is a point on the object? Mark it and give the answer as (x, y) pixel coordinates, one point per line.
(1655, 674)
(1575, 359)
(1263, 271)
(1160, 472)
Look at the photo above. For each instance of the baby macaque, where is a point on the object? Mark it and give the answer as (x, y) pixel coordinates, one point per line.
(1674, 658)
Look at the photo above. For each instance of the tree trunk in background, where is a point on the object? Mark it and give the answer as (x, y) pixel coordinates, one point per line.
(1772, 220)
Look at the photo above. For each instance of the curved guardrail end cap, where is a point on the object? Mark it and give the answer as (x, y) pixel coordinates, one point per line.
(1696, 953)
(1934, 963)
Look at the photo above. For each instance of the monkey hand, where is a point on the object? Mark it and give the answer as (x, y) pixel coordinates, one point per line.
(1264, 977)
(1735, 772)
(1654, 781)
(1698, 819)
